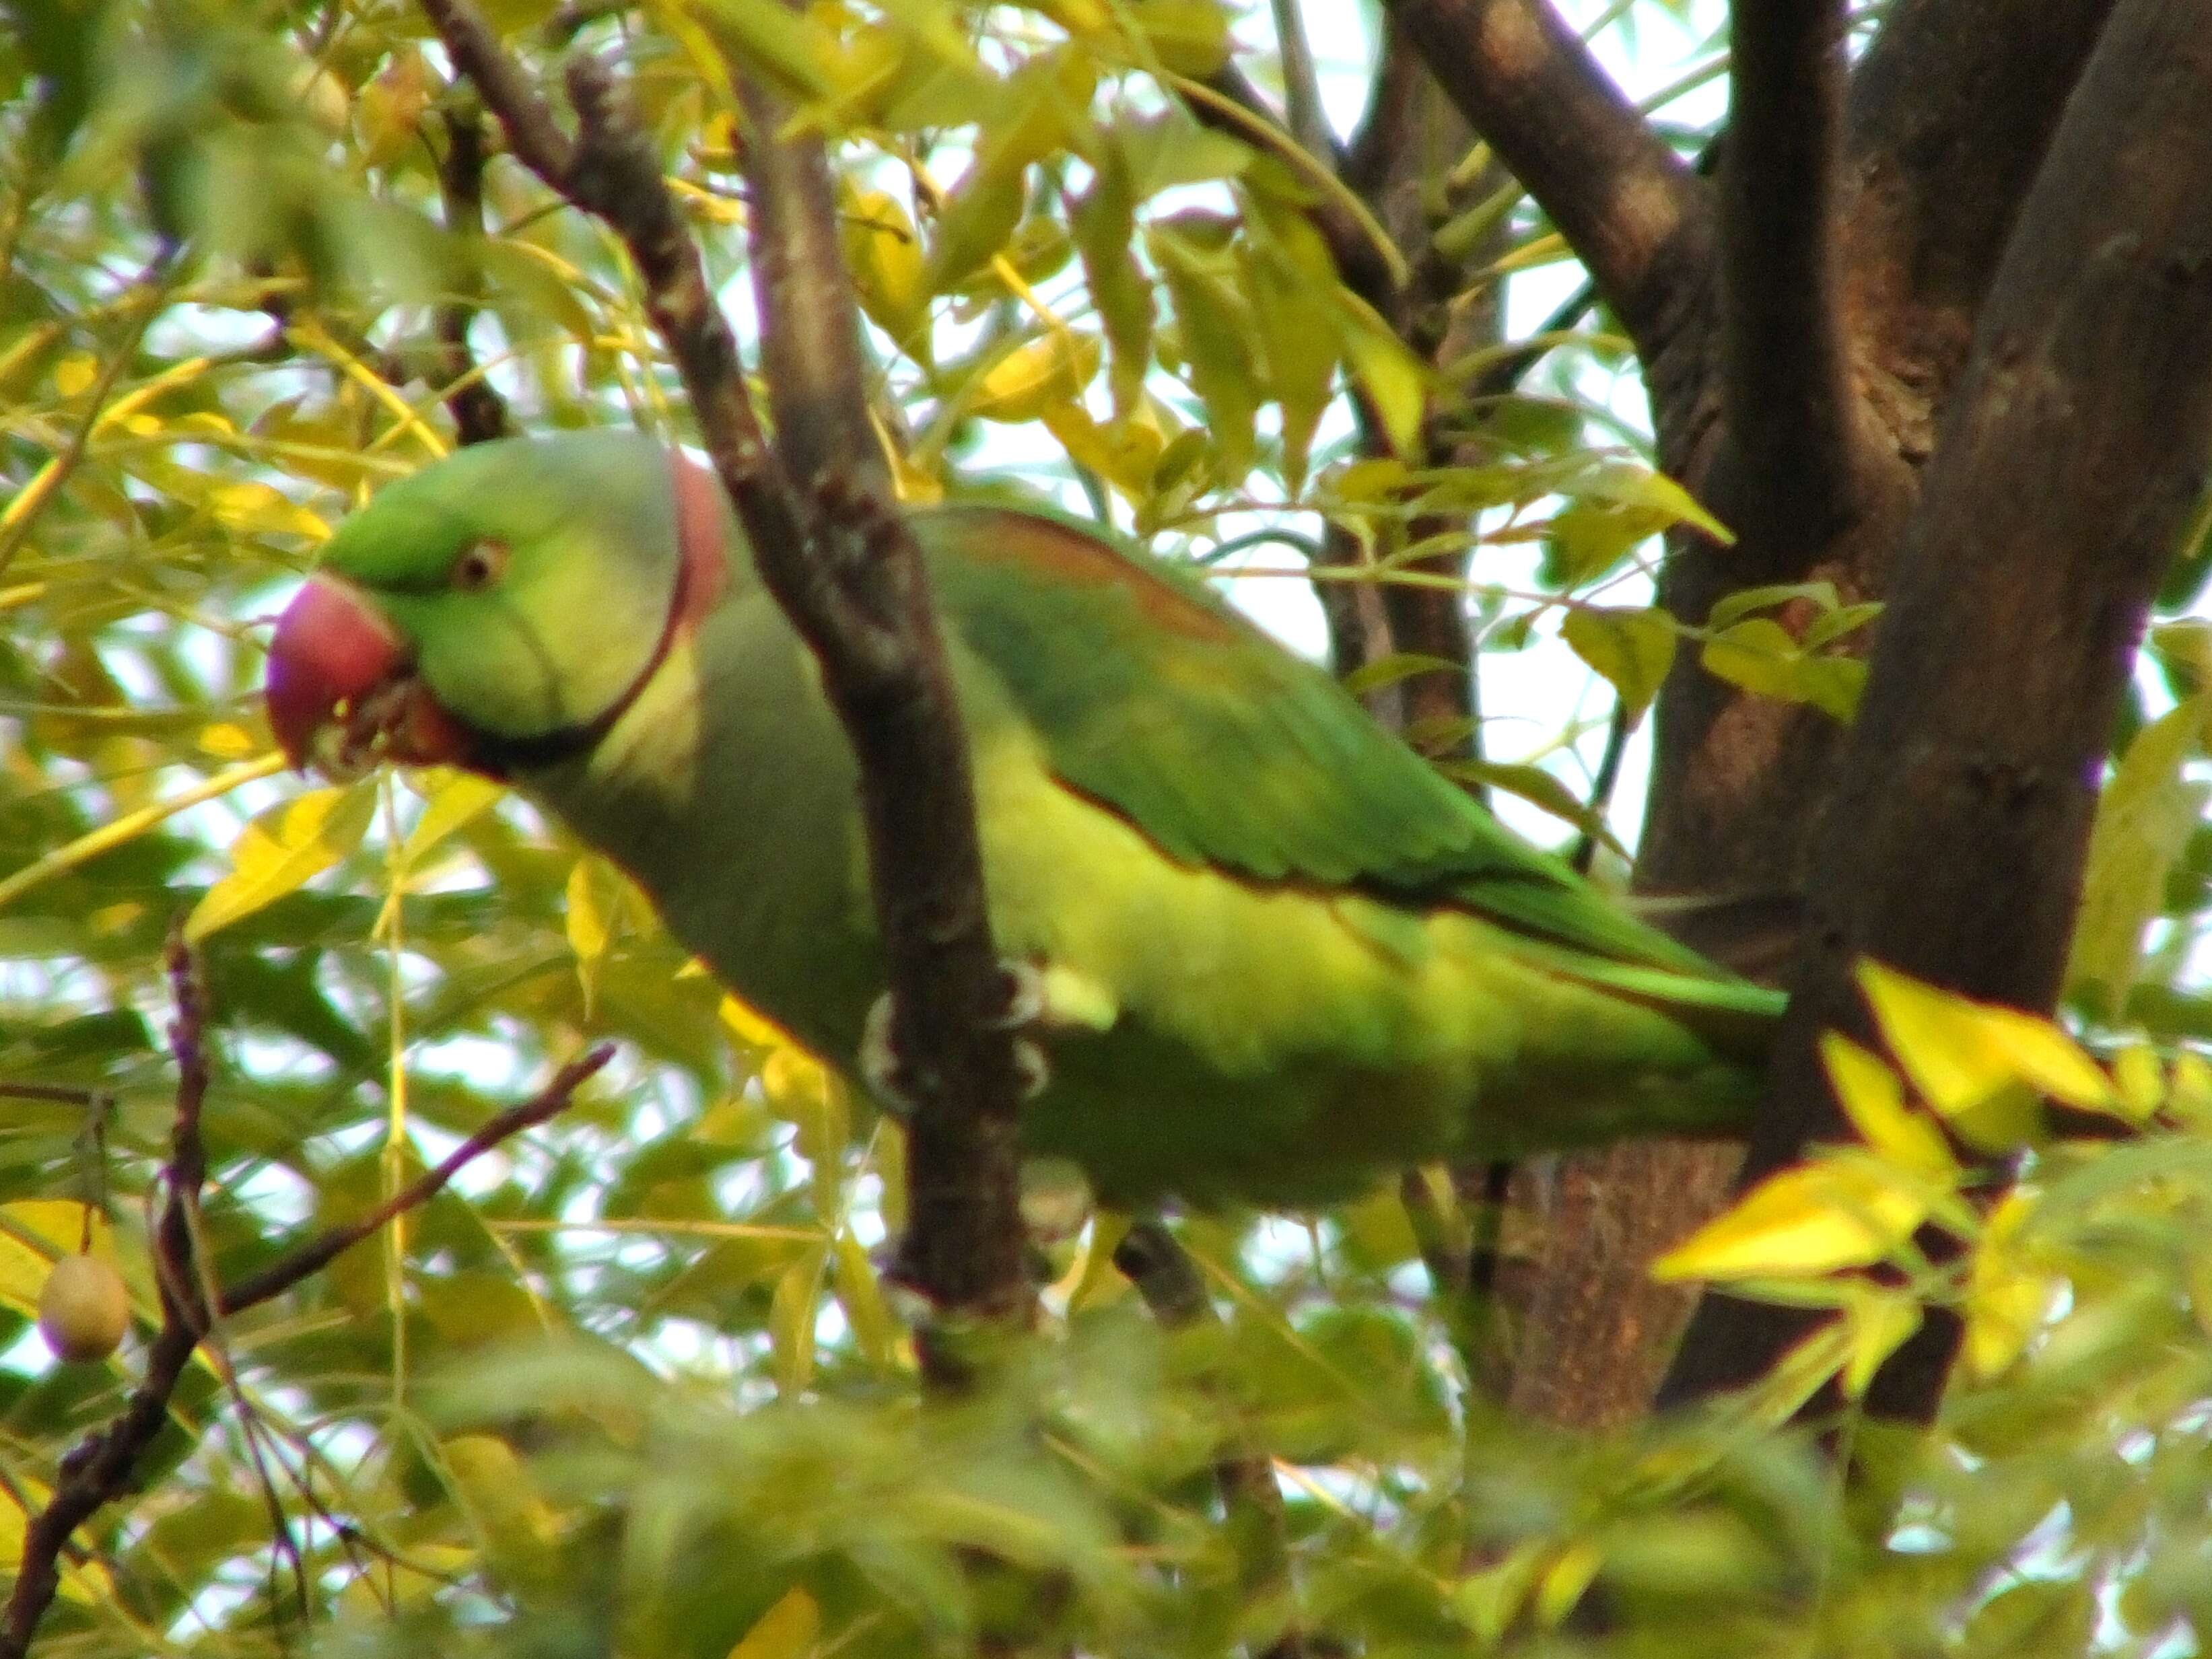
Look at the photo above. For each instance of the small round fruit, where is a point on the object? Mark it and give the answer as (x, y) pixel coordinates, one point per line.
(84, 1310)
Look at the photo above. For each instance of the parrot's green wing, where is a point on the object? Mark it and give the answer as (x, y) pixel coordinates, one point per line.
(1157, 699)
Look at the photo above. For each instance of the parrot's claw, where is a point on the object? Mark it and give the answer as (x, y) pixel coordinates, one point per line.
(885, 1072)
(881, 1069)
(1034, 1069)
(1025, 999)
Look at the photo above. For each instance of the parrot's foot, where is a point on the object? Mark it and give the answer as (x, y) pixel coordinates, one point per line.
(884, 1071)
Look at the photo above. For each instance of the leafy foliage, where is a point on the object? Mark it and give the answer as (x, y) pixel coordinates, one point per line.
(634, 1384)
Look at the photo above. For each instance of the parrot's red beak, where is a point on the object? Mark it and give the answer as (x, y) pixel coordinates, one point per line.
(342, 693)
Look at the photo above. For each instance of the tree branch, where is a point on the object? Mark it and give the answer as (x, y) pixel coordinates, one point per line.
(810, 329)
(1785, 385)
(479, 413)
(1366, 270)
(1950, 113)
(1626, 205)
(846, 570)
(100, 1468)
(2066, 471)
(326, 1246)
(1302, 110)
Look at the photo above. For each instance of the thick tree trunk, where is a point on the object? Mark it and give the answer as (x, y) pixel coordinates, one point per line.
(1801, 353)
(2064, 472)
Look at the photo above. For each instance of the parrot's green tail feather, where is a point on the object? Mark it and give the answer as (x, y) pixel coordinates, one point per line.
(1734, 1016)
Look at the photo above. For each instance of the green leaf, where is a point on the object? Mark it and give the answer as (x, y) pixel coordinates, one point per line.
(1044, 106)
(1288, 273)
(786, 47)
(1734, 607)
(1216, 328)
(1104, 223)
(1760, 656)
(1541, 788)
(1394, 380)
(2144, 825)
(1633, 649)
(791, 1323)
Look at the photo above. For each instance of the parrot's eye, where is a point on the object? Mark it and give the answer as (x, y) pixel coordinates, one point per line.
(476, 569)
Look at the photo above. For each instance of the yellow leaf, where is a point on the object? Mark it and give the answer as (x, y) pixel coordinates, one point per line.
(786, 1631)
(1844, 1210)
(1960, 1053)
(1560, 1589)
(1872, 1097)
(32, 1237)
(2189, 1095)
(800, 1090)
(227, 740)
(1049, 370)
(751, 1029)
(1125, 453)
(1879, 1320)
(283, 847)
(1375, 481)
(501, 1494)
(2139, 1082)
(86, 1583)
(1190, 36)
(451, 800)
(590, 921)
(253, 507)
(883, 250)
(75, 372)
(2006, 1299)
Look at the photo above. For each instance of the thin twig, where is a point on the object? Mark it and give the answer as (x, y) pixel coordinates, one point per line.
(22, 514)
(479, 413)
(1617, 732)
(100, 1468)
(1166, 1276)
(326, 1246)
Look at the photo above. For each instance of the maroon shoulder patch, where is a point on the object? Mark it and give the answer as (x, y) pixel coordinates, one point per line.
(1070, 555)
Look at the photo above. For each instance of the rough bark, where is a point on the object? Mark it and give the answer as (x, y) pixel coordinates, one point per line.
(1623, 200)
(1946, 119)
(2063, 475)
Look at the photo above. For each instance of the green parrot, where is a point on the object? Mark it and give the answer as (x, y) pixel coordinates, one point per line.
(1276, 953)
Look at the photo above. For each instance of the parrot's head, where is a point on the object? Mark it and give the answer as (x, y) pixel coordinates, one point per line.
(499, 609)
